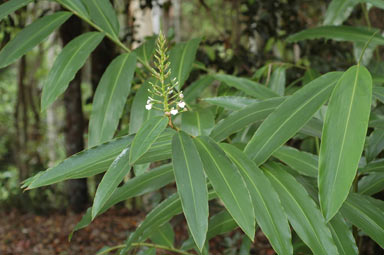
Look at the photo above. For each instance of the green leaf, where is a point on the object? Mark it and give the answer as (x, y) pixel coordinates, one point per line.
(10, 6)
(66, 65)
(197, 122)
(97, 159)
(195, 89)
(83, 164)
(228, 183)
(342, 235)
(339, 33)
(371, 184)
(146, 136)
(249, 87)
(145, 183)
(145, 50)
(157, 217)
(103, 14)
(160, 150)
(303, 162)
(338, 11)
(378, 92)
(231, 102)
(31, 36)
(182, 56)
(245, 247)
(269, 212)
(75, 6)
(110, 97)
(374, 144)
(364, 213)
(303, 213)
(344, 132)
(277, 83)
(238, 120)
(138, 113)
(115, 174)
(289, 117)
(164, 235)
(376, 3)
(191, 186)
(374, 166)
(220, 223)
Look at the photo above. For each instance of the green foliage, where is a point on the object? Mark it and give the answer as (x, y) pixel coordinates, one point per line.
(273, 116)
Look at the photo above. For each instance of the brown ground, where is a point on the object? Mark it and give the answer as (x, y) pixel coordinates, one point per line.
(29, 234)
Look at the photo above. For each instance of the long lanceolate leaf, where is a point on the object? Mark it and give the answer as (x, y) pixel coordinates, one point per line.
(363, 212)
(197, 122)
(371, 184)
(97, 159)
(66, 65)
(157, 217)
(228, 184)
(103, 14)
(110, 97)
(76, 6)
(343, 137)
(146, 136)
(182, 56)
(247, 86)
(191, 186)
(300, 161)
(290, 117)
(31, 36)
(342, 235)
(269, 212)
(338, 11)
(147, 182)
(145, 50)
(83, 164)
(11, 6)
(111, 179)
(244, 117)
(339, 33)
(302, 212)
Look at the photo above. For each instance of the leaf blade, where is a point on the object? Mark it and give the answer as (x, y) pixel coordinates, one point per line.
(191, 186)
(110, 97)
(66, 65)
(228, 183)
(269, 212)
(11, 6)
(347, 117)
(289, 117)
(31, 36)
(146, 136)
(302, 211)
(181, 57)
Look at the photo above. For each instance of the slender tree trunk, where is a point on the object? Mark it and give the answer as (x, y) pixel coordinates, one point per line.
(74, 142)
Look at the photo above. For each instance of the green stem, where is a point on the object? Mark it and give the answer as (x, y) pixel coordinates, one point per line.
(112, 38)
(156, 246)
(368, 21)
(354, 228)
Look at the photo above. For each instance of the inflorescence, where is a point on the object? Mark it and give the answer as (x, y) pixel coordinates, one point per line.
(163, 95)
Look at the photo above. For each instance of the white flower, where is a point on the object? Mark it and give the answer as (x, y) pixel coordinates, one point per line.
(148, 106)
(181, 104)
(181, 95)
(174, 111)
(149, 101)
(170, 92)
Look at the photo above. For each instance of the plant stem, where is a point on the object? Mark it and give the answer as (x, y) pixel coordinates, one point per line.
(156, 246)
(112, 38)
(354, 228)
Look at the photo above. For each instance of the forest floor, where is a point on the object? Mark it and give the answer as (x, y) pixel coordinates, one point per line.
(29, 234)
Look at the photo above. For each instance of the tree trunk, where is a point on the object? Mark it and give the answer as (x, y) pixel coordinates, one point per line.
(77, 191)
